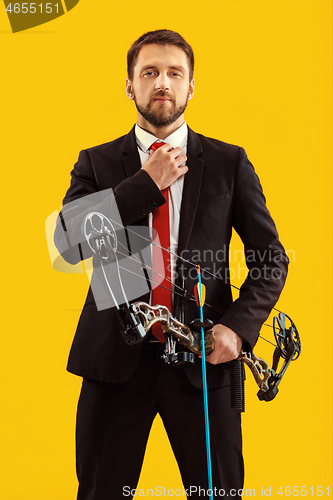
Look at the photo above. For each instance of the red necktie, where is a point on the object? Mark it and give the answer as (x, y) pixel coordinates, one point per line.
(161, 259)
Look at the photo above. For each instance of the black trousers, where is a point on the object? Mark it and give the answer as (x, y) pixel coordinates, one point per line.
(114, 420)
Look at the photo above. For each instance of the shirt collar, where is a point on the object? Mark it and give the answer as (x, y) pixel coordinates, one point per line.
(177, 139)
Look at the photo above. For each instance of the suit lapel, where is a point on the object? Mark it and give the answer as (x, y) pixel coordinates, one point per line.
(131, 159)
(131, 163)
(191, 191)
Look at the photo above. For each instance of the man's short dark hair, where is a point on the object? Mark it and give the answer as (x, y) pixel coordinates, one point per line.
(160, 37)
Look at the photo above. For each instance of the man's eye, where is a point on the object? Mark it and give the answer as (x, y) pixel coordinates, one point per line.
(176, 74)
(148, 73)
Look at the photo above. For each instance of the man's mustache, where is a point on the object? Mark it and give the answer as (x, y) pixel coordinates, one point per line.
(163, 94)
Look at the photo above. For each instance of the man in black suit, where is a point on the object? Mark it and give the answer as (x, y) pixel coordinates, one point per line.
(212, 188)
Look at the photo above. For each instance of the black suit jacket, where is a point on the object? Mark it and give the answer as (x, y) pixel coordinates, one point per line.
(221, 191)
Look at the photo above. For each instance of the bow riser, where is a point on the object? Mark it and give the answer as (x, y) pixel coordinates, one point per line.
(150, 315)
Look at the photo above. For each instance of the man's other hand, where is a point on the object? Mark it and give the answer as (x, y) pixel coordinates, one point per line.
(164, 165)
(228, 345)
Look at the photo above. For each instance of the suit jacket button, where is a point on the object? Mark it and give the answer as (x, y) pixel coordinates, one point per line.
(144, 212)
(154, 206)
(149, 208)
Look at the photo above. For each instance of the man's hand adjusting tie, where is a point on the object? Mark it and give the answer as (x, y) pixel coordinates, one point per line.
(164, 164)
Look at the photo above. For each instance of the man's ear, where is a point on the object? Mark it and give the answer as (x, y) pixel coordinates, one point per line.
(191, 90)
(129, 89)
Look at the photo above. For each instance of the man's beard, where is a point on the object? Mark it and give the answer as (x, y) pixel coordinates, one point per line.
(162, 116)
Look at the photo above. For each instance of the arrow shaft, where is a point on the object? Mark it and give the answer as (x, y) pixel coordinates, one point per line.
(204, 388)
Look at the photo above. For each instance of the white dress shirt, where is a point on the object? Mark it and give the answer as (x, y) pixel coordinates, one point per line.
(176, 139)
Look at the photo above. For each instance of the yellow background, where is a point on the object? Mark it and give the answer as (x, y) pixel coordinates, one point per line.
(263, 81)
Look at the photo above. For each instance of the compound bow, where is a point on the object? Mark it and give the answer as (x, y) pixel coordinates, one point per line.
(138, 317)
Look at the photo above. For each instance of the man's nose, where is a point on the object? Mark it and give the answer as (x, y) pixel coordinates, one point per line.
(162, 82)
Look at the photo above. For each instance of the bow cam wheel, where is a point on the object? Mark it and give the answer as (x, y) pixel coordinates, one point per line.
(100, 236)
(285, 332)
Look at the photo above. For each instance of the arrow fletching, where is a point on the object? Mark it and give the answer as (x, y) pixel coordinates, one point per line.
(200, 294)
